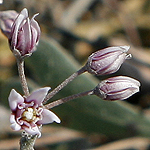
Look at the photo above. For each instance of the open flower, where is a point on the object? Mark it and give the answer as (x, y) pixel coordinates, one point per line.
(107, 60)
(25, 34)
(28, 113)
(117, 88)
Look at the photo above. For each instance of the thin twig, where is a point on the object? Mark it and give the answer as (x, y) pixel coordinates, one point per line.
(20, 63)
(66, 99)
(64, 83)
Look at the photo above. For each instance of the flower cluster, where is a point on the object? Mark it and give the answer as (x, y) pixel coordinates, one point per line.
(29, 112)
(108, 61)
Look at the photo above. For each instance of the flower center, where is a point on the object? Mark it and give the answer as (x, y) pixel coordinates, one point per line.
(29, 114)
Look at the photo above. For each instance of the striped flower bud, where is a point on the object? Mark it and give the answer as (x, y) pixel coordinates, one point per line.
(25, 34)
(107, 60)
(117, 88)
(7, 19)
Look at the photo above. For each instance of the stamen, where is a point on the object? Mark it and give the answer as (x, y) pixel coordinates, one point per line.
(29, 114)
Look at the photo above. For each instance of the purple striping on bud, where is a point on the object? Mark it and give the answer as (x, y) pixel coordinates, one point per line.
(117, 88)
(7, 19)
(25, 34)
(107, 60)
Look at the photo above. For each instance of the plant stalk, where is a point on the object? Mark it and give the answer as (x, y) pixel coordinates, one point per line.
(66, 99)
(27, 141)
(64, 83)
(20, 63)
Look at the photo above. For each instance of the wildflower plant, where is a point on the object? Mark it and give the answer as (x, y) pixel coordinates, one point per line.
(31, 111)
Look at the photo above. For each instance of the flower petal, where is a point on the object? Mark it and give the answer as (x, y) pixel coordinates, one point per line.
(121, 95)
(48, 117)
(24, 38)
(35, 25)
(33, 131)
(34, 35)
(14, 99)
(38, 95)
(14, 125)
(23, 15)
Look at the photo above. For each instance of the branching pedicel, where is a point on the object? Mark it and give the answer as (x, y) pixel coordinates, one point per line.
(29, 111)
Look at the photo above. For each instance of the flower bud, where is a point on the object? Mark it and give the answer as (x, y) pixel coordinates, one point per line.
(7, 19)
(25, 34)
(107, 60)
(117, 88)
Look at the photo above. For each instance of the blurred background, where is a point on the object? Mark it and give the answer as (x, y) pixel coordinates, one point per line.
(71, 31)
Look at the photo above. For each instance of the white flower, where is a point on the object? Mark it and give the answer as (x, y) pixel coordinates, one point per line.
(28, 113)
